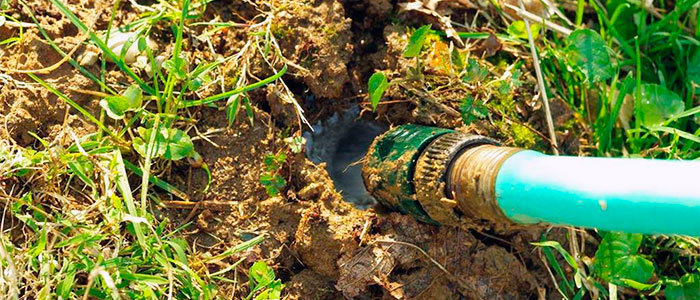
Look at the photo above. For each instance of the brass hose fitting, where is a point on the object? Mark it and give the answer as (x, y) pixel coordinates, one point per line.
(445, 177)
(431, 174)
(439, 176)
(471, 180)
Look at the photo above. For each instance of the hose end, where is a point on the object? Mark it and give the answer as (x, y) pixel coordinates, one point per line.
(431, 174)
(471, 180)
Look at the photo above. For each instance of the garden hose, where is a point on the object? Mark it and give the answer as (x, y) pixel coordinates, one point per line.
(446, 177)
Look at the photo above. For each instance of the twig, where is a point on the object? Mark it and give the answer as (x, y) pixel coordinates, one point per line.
(5, 22)
(55, 66)
(557, 11)
(11, 271)
(430, 98)
(211, 205)
(540, 81)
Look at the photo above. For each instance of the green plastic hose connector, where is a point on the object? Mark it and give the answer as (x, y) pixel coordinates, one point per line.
(445, 177)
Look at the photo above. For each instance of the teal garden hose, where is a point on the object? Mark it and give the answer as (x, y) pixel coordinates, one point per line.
(446, 177)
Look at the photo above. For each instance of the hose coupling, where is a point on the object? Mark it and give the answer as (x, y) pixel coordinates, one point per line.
(439, 176)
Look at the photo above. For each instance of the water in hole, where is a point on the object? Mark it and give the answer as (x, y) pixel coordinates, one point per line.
(342, 141)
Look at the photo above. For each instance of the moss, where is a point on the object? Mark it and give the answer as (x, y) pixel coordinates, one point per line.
(329, 30)
(523, 136)
(280, 32)
(519, 135)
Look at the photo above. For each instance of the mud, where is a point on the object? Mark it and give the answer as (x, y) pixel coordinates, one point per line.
(317, 35)
(342, 141)
(320, 245)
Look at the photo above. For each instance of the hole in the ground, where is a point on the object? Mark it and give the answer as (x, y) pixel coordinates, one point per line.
(341, 141)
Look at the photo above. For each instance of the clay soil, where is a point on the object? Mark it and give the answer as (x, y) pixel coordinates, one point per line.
(320, 246)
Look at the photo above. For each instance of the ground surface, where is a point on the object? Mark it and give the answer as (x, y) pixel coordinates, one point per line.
(319, 245)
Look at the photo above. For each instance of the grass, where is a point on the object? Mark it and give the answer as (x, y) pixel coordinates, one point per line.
(640, 72)
(640, 105)
(90, 233)
(630, 74)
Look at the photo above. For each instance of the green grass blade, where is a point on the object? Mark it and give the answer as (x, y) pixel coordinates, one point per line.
(147, 162)
(679, 132)
(103, 46)
(581, 4)
(122, 182)
(71, 61)
(238, 248)
(77, 107)
(244, 89)
(157, 181)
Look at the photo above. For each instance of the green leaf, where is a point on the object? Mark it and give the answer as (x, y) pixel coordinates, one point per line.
(470, 110)
(274, 162)
(64, 287)
(179, 145)
(176, 66)
(81, 167)
(273, 183)
(142, 278)
(179, 246)
(693, 71)
(517, 30)
(40, 245)
(200, 75)
(633, 268)
(83, 238)
(262, 278)
(261, 274)
(415, 43)
(296, 144)
(587, 51)
(142, 44)
(234, 104)
(622, 18)
(658, 104)
(140, 143)
(273, 291)
(675, 131)
(475, 72)
(617, 260)
(377, 84)
(239, 90)
(554, 244)
(117, 106)
(170, 143)
(687, 288)
(248, 110)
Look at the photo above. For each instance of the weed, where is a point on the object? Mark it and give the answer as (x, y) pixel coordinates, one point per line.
(630, 82)
(377, 84)
(471, 111)
(270, 178)
(631, 79)
(263, 283)
(86, 234)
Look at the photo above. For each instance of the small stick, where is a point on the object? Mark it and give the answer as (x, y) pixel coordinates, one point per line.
(5, 22)
(451, 276)
(89, 92)
(50, 68)
(212, 205)
(540, 81)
